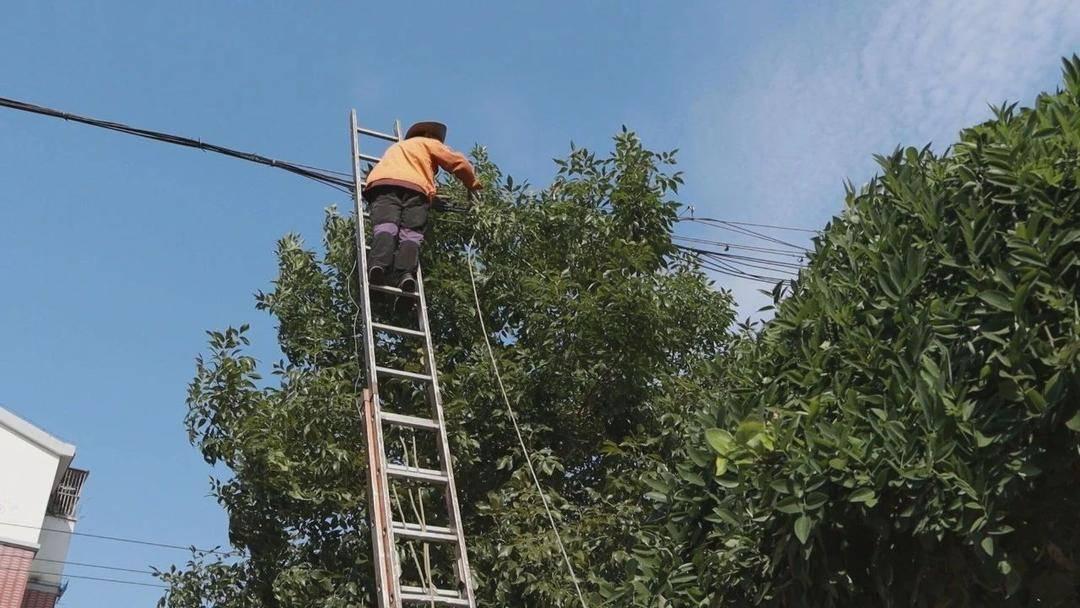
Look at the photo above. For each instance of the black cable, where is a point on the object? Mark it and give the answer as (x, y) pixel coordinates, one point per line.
(745, 264)
(709, 219)
(324, 176)
(728, 270)
(97, 566)
(755, 234)
(730, 226)
(729, 245)
(88, 578)
(751, 259)
(742, 259)
(122, 540)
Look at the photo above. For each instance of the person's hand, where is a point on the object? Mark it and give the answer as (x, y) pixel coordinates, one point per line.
(474, 192)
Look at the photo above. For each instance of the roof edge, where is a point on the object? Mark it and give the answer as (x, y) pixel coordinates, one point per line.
(64, 450)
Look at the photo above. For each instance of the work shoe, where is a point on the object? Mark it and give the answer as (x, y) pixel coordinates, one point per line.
(407, 283)
(376, 275)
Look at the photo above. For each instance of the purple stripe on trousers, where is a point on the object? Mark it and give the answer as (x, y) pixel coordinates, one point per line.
(409, 235)
(385, 228)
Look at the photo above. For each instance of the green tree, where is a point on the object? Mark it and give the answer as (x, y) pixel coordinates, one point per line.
(905, 431)
(600, 326)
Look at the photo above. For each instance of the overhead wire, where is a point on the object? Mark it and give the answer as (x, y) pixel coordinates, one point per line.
(743, 259)
(96, 566)
(121, 539)
(750, 264)
(728, 270)
(741, 266)
(741, 247)
(323, 176)
(773, 226)
(79, 576)
(738, 228)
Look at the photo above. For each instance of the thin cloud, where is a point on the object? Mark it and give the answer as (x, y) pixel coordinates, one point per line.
(820, 105)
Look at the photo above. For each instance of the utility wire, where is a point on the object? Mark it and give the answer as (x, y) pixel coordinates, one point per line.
(738, 274)
(749, 260)
(97, 566)
(88, 578)
(728, 264)
(729, 245)
(775, 227)
(517, 430)
(724, 268)
(330, 178)
(751, 264)
(752, 233)
(122, 540)
(737, 228)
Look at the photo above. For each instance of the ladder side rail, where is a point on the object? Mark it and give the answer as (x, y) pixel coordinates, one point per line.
(450, 492)
(377, 516)
(387, 584)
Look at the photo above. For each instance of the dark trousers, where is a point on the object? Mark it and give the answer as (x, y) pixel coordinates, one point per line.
(399, 217)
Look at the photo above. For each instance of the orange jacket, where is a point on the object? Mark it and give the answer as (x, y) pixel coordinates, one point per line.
(412, 163)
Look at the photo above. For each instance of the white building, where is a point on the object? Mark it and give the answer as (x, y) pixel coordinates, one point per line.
(38, 494)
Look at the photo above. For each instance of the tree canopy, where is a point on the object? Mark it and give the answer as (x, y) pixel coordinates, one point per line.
(905, 431)
(600, 325)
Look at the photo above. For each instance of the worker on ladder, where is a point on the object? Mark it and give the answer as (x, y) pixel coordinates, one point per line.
(400, 190)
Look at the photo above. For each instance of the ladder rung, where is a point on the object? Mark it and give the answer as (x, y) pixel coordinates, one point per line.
(398, 330)
(413, 422)
(402, 374)
(445, 597)
(435, 534)
(416, 473)
(372, 133)
(395, 291)
(369, 158)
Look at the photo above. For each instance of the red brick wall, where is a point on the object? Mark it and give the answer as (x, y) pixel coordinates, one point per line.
(14, 570)
(35, 598)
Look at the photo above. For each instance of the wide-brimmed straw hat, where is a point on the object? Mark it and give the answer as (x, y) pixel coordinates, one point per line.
(429, 128)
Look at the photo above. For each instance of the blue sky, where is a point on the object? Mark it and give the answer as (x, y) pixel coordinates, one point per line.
(117, 254)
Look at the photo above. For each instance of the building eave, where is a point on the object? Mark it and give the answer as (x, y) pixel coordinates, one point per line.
(63, 450)
(11, 542)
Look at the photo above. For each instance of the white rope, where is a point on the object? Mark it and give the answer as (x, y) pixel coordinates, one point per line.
(517, 429)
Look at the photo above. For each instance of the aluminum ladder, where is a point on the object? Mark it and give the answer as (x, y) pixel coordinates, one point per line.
(394, 538)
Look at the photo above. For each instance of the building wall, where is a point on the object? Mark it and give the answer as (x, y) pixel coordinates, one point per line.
(14, 568)
(54, 548)
(40, 597)
(26, 479)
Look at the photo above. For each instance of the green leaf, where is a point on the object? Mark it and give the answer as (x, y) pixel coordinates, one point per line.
(863, 495)
(1074, 422)
(997, 299)
(789, 504)
(656, 484)
(987, 545)
(719, 440)
(749, 429)
(782, 486)
(802, 528)
(816, 500)
(656, 497)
